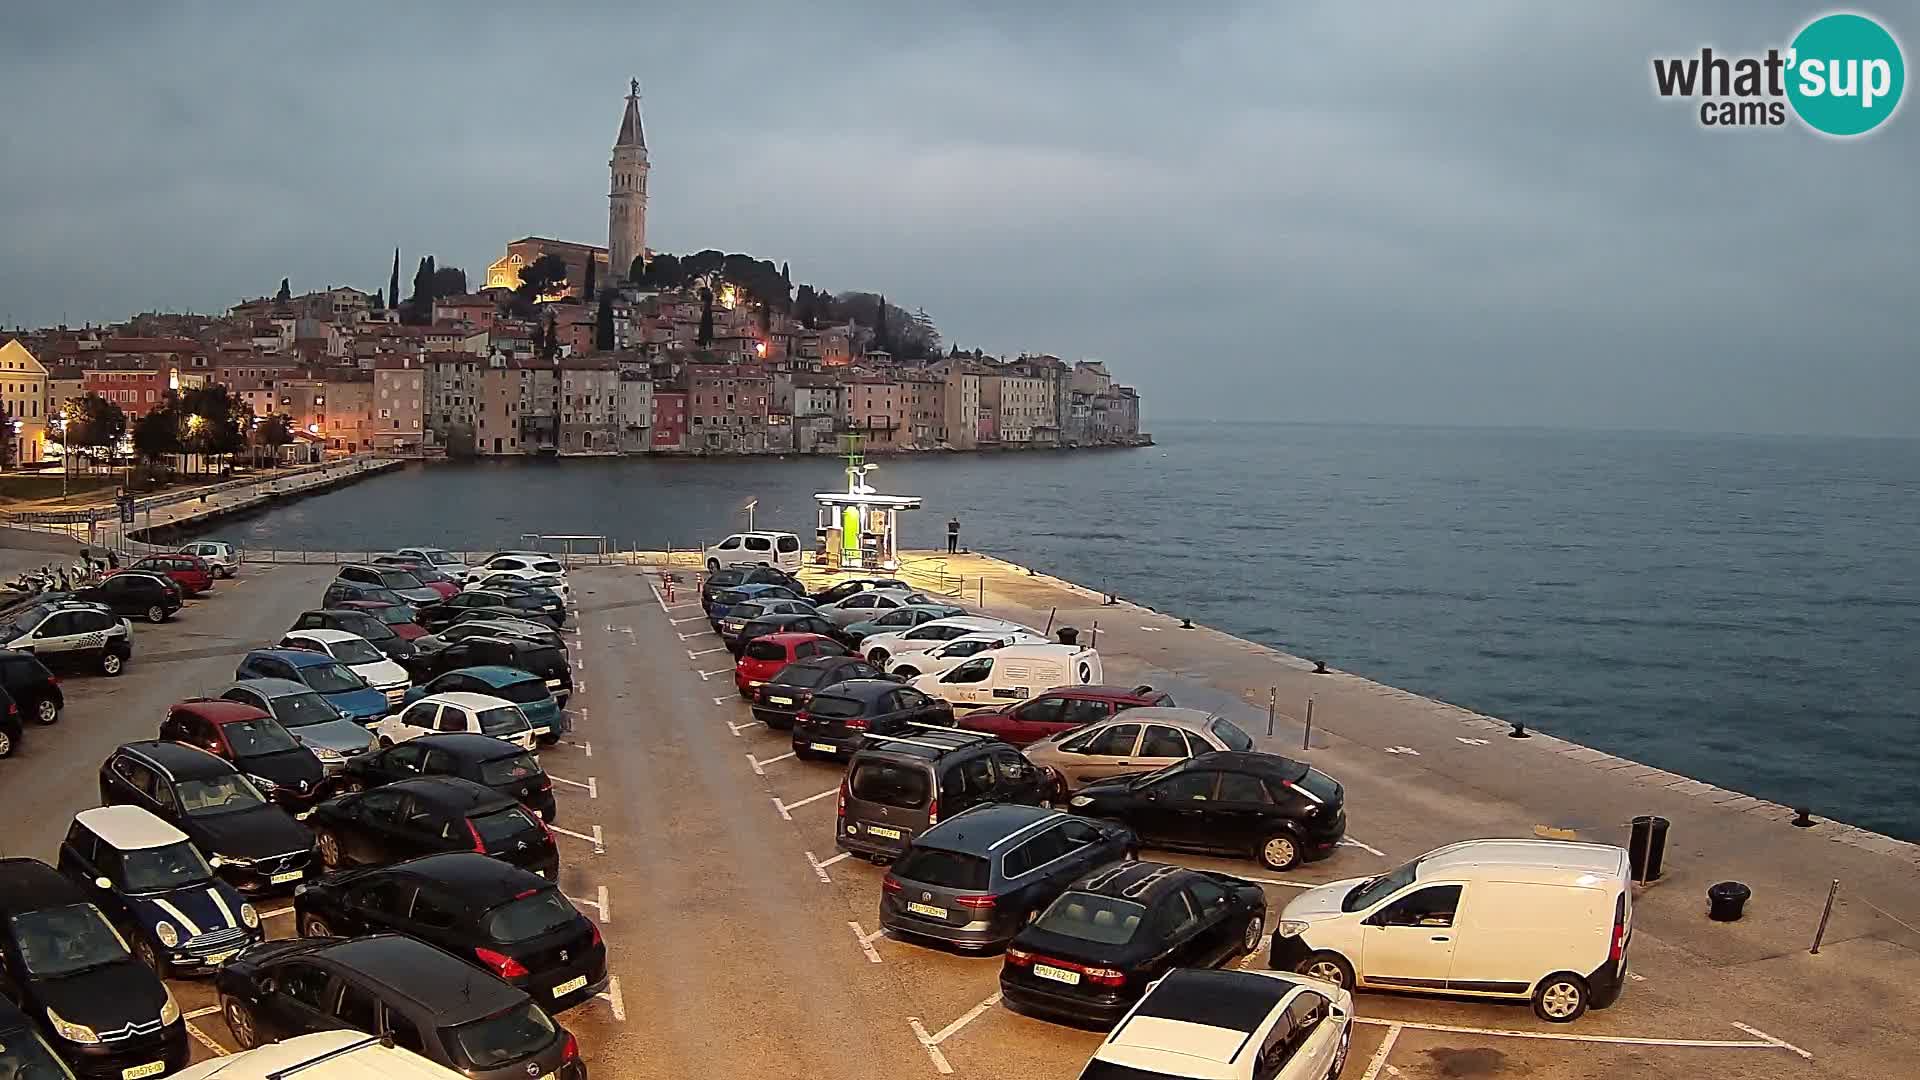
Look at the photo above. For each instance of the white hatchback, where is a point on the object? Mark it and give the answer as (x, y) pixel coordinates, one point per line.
(476, 714)
(533, 569)
(359, 655)
(948, 655)
(876, 648)
(439, 558)
(1203, 1024)
(222, 558)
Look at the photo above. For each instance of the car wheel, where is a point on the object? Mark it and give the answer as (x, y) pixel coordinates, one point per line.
(111, 663)
(240, 1022)
(906, 671)
(156, 614)
(314, 926)
(6, 745)
(329, 846)
(1280, 851)
(1340, 1053)
(1250, 940)
(47, 711)
(713, 565)
(878, 657)
(148, 956)
(1327, 967)
(1560, 998)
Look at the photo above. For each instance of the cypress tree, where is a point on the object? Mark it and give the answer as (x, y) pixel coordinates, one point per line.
(393, 282)
(603, 322)
(593, 267)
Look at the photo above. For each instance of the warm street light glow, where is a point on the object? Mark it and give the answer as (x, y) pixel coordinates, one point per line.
(195, 422)
(760, 347)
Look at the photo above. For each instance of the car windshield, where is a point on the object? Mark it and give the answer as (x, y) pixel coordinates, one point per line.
(1230, 734)
(501, 1038)
(218, 795)
(66, 940)
(890, 784)
(503, 720)
(503, 824)
(508, 770)
(332, 678)
(27, 622)
(1107, 1070)
(367, 627)
(835, 708)
(726, 598)
(1319, 785)
(800, 675)
(546, 660)
(394, 615)
(943, 869)
(350, 651)
(252, 738)
(530, 601)
(1104, 919)
(302, 710)
(399, 579)
(746, 609)
(548, 566)
(438, 557)
(25, 1056)
(765, 650)
(524, 692)
(1367, 892)
(163, 868)
(529, 917)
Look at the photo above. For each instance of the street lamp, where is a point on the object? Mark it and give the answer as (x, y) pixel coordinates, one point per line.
(749, 509)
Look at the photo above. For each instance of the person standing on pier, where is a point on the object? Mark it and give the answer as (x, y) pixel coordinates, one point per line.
(953, 535)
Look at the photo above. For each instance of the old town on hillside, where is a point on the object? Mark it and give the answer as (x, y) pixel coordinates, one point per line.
(568, 349)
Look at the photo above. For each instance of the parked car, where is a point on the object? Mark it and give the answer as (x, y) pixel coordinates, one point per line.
(11, 731)
(1262, 806)
(870, 604)
(1060, 710)
(523, 688)
(312, 719)
(427, 1000)
(537, 657)
(838, 718)
(391, 644)
(1545, 921)
(187, 571)
(321, 1055)
(1136, 741)
(255, 845)
(493, 613)
(900, 618)
(786, 695)
(104, 1013)
(31, 686)
(767, 625)
(284, 769)
(531, 569)
(340, 590)
(842, 589)
(1014, 673)
(1229, 1025)
(763, 657)
(443, 583)
(711, 584)
(398, 617)
(221, 557)
(157, 889)
(530, 606)
(948, 655)
(427, 816)
(137, 595)
(776, 549)
(897, 787)
(334, 680)
(880, 646)
(410, 588)
(495, 916)
(24, 1052)
(464, 711)
(976, 878)
(439, 558)
(1094, 951)
(72, 636)
(733, 623)
(542, 633)
(360, 657)
(727, 599)
(506, 767)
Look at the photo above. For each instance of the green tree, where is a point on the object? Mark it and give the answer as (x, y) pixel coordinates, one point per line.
(211, 422)
(880, 322)
(274, 431)
(284, 295)
(93, 423)
(393, 281)
(156, 436)
(545, 276)
(593, 269)
(9, 448)
(448, 281)
(603, 324)
(706, 318)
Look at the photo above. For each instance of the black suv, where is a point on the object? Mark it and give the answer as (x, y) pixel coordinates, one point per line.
(838, 719)
(31, 686)
(1271, 808)
(547, 661)
(497, 917)
(255, 845)
(377, 633)
(782, 623)
(428, 816)
(786, 695)
(899, 787)
(544, 607)
(483, 759)
(974, 880)
(431, 1003)
(840, 590)
(23, 1052)
(135, 594)
(10, 729)
(728, 577)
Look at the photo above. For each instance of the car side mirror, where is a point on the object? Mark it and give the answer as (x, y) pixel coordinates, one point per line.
(216, 861)
(102, 883)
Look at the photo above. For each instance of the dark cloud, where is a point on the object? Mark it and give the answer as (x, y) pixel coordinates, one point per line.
(1420, 213)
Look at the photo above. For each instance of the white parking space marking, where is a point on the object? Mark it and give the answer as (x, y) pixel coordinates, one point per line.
(759, 766)
(582, 744)
(1470, 742)
(612, 629)
(1764, 1042)
(705, 675)
(695, 654)
(1351, 842)
(205, 1040)
(1403, 750)
(1380, 1056)
(599, 905)
(592, 785)
(598, 841)
(738, 728)
(698, 633)
(820, 867)
(611, 995)
(932, 1042)
(1782, 1044)
(721, 700)
(866, 941)
(688, 618)
(277, 912)
(198, 1013)
(784, 807)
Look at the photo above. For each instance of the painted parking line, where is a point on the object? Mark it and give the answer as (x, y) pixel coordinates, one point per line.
(785, 807)
(721, 700)
(738, 728)
(820, 866)
(932, 1042)
(1379, 1059)
(689, 618)
(1762, 1040)
(760, 767)
(597, 840)
(277, 912)
(705, 675)
(592, 785)
(198, 1013)
(695, 654)
(866, 941)
(697, 634)
(599, 905)
(207, 1041)
(581, 743)
(1351, 842)
(611, 995)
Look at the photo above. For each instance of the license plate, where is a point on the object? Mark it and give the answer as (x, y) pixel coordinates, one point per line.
(553, 684)
(771, 700)
(569, 986)
(303, 815)
(882, 830)
(927, 909)
(222, 957)
(151, 1068)
(286, 876)
(826, 747)
(1060, 975)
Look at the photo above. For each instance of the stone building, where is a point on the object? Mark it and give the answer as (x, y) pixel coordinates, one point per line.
(400, 403)
(23, 394)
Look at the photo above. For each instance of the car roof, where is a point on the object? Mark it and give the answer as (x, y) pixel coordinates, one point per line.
(178, 760)
(862, 690)
(496, 675)
(30, 885)
(830, 660)
(338, 1055)
(1208, 1014)
(451, 793)
(924, 743)
(1141, 882)
(987, 827)
(1051, 650)
(481, 880)
(510, 642)
(795, 637)
(1105, 692)
(973, 623)
(466, 699)
(785, 618)
(930, 606)
(364, 606)
(218, 711)
(470, 745)
(1546, 861)
(129, 828)
(297, 657)
(269, 688)
(327, 635)
(1277, 766)
(438, 980)
(1171, 715)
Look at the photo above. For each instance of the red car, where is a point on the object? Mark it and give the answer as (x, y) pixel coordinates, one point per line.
(763, 657)
(284, 769)
(190, 572)
(1060, 709)
(397, 616)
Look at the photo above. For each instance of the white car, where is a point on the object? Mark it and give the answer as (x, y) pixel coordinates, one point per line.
(476, 714)
(360, 657)
(439, 558)
(948, 655)
(877, 647)
(222, 558)
(865, 606)
(322, 1055)
(521, 566)
(1207, 1024)
(757, 549)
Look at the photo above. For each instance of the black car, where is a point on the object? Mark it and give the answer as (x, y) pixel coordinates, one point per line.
(976, 878)
(790, 689)
(899, 786)
(136, 595)
(429, 1002)
(31, 686)
(838, 718)
(840, 590)
(495, 613)
(103, 1012)
(785, 623)
(285, 769)
(1264, 806)
(1096, 949)
(10, 728)
(427, 816)
(547, 661)
(24, 1054)
(340, 589)
(497, 917)
(511, 626)
(533, 607)
(377, 633)
(255, 845)
(728, 577)
(483, 759)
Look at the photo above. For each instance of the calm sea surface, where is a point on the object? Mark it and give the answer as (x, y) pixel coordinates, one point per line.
(1745, 610)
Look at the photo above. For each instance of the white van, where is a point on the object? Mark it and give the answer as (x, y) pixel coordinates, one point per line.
(776, 549)
(1014, 673)
(323, 1055)
(1548, 920)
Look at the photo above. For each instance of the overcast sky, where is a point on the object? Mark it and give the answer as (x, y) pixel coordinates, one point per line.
(1464, 214)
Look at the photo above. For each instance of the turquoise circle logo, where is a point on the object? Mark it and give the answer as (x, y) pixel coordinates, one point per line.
(1847, 74)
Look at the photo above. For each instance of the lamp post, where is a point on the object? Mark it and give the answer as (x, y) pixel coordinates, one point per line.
(59, 426)
(751, 503)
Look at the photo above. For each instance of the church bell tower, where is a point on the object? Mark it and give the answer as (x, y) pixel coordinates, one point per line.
(627, 193)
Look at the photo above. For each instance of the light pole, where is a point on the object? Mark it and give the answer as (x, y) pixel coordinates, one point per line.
(751, 503)
(66, 452)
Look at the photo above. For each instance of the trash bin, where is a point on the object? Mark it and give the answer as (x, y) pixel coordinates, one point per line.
(1648, 847)
(1726, 901)
(1068, 635)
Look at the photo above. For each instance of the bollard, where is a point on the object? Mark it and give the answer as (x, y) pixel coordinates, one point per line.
(1519, 730)
(1273, 696)
(1306, 739)
(1832, 891)
(1186, 624)
(1320, 667)
(1803, 818)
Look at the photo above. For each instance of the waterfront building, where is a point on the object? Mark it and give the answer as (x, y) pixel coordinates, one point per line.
(453, 389)
(349, 410)
(137, 391)
(925, 409)
(64, 383)
(496, 421)
(1017, 404)
(570, 404)
(876, 407)
(23, 394)
(504, 272)
(669, 428)
(636, 411)
(727, 408)
(400, 403)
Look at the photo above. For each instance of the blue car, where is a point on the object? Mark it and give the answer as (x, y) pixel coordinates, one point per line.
(339, 684)
(157, 889)
(740, 594)
(523, 688)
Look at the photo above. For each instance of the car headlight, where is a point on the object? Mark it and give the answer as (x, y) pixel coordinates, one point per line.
(170, 1011)
(166, 933)
(1289, 928)
(249, 916)
(1080, 800)
(262, 783)
(327, 753)
(74, 1033)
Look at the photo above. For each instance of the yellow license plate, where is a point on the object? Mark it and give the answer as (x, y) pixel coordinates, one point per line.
(553, 684)
(290, 875)
(927, 909)
(221, 958)
(826, 748)
(570, 986)
(882, 830)
(772, 700)
(1059, 975)
(151, 1068)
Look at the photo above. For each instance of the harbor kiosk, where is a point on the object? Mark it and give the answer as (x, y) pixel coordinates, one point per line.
(859, 528)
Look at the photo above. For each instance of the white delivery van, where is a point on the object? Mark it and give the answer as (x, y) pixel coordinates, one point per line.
(1014, 673)
(776, 549)
(1545, 920)
(323, 1055)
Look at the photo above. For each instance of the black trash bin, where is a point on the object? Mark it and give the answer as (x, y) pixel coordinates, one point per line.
(1647, 847)
(1726, 901)
(1068, 635)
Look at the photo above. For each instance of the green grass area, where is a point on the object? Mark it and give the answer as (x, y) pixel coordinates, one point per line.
(23, 487)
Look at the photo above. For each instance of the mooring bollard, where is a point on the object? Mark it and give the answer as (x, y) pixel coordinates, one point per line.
(1273, 698)
(1833, 890)
(1306, 739)
(1320, 667)
(1519, 730)
(1803, 818)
